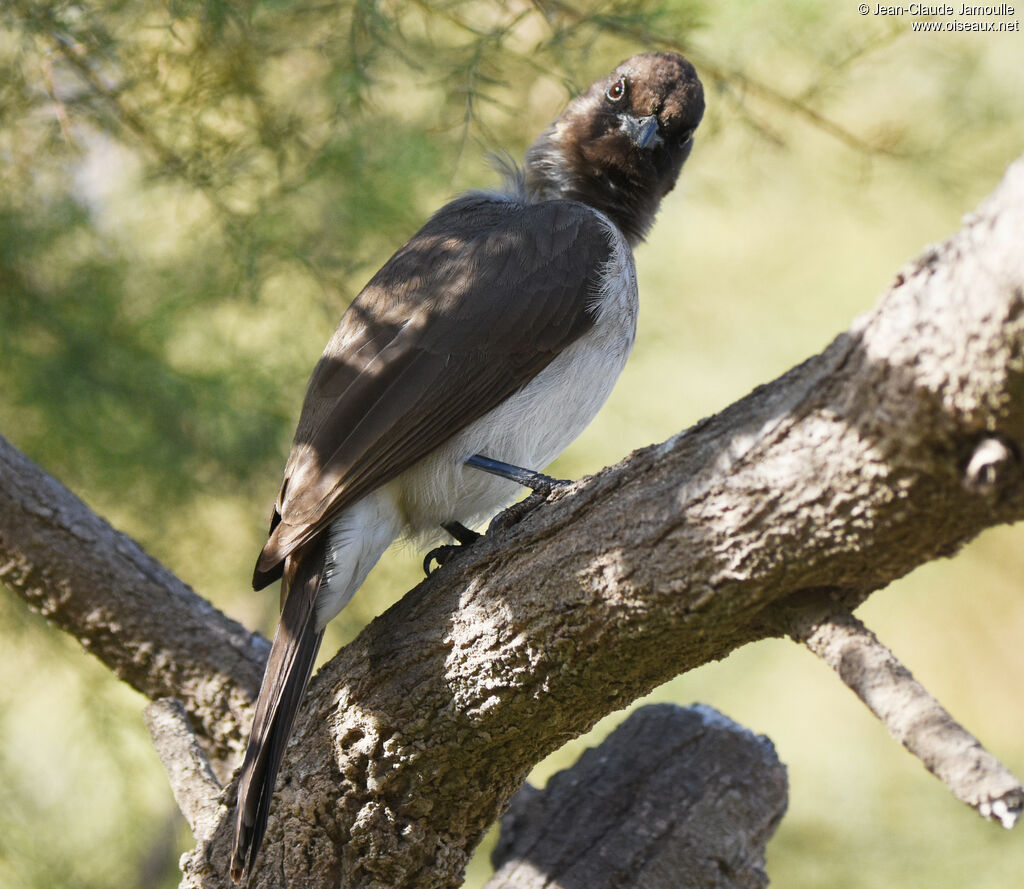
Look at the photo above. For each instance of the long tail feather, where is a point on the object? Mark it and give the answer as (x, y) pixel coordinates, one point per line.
(289, 667)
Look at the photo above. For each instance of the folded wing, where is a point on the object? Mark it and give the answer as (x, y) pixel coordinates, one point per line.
(469, 311)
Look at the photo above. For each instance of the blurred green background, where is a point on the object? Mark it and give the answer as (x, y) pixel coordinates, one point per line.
(192, 191)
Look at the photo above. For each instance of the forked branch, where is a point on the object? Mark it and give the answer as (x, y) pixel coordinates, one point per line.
(895, 446)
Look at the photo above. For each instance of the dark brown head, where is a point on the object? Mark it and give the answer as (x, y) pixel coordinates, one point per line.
(619, 146)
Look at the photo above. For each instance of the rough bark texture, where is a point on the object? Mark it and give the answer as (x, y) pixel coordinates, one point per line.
(912, 716)
(675, 798)
(126, 608)
(846, 473)
(195, 787)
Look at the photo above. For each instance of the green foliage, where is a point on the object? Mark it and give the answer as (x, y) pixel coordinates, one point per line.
(193, 190)
(167, 166)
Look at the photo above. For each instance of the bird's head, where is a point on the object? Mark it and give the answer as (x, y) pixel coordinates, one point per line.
(620, 145)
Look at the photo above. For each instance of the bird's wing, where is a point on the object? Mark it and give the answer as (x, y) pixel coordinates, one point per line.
(469, 311)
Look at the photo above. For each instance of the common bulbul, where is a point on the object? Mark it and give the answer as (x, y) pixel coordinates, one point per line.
(491, 338)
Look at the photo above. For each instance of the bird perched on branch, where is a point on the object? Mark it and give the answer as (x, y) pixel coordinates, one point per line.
(479, 351)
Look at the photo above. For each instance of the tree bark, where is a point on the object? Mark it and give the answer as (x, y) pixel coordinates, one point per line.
(819, 488)
(675, 798)
(912, 716)
(100, 586)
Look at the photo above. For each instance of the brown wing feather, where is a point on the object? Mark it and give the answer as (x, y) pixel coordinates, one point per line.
(470, 310)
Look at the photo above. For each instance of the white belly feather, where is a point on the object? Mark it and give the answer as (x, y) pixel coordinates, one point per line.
(529, 429)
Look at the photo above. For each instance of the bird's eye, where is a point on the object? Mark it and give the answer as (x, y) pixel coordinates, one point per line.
(617, 90)
(686, 135)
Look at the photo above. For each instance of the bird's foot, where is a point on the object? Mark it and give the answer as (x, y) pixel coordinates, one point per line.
(541, 485)
(522, 508)
(445, 552)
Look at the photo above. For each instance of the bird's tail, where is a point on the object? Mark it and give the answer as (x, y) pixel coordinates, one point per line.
(296, 643)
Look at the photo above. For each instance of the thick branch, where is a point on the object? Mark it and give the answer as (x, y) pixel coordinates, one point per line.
(846, 473)
(674, 798)
(124, 606)
(912, 716)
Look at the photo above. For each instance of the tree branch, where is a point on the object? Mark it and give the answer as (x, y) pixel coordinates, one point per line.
(133, 614)
(912, 716)
(674, 798)
(195, 787)
(844, 474)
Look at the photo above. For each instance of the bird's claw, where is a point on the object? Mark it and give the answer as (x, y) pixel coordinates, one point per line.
(542, 488)
(440, 554)
(446, 551)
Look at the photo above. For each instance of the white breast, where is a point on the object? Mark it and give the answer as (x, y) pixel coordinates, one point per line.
(536, 424)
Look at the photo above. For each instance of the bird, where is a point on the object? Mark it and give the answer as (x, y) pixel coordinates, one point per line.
(480, 350)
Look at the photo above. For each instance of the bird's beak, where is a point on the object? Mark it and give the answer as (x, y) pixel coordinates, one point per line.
(642, 131)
